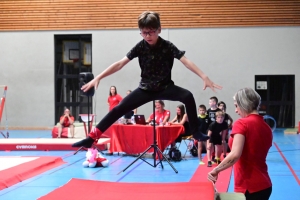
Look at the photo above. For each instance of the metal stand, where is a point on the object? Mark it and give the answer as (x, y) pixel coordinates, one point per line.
(156, 149)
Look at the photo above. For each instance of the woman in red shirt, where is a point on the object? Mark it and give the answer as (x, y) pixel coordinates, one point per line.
(114, 99)
(161, 115)
(250, 141)
(66, 120)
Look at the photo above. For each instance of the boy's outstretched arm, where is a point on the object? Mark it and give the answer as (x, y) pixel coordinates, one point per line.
(207, 82)
(108, 71)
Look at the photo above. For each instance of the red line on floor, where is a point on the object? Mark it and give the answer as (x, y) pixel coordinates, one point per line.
(287, 163)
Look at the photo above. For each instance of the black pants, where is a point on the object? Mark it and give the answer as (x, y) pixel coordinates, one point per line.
(260, 195)
(139, 97)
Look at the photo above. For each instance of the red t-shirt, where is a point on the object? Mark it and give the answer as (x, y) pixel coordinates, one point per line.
(160, 115)
(113, 101)
(251, 170)
(66, 122)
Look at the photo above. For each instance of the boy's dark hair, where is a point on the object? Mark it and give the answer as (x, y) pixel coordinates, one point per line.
(202, 106)
(214, 98)
(222, 102)
(149, 19)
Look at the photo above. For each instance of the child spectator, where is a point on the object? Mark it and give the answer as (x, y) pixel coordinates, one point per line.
(229, 121)
(215, 131)
(203, 118)
(211, 112)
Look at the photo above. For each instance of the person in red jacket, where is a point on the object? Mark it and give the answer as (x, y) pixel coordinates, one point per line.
(114, 99)
(161, 115)
(250, 141)
(66, 120)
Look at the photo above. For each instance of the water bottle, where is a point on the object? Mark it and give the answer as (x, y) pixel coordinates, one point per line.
(120, 121)
(161, 122)
(132, 120)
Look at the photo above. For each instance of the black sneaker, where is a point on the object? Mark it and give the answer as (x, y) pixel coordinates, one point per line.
(87, 143)
(209, 164)
(218, 162)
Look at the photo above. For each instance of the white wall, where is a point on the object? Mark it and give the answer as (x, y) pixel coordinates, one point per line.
(231, 57)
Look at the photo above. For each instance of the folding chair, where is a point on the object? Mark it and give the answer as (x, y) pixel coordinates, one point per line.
(189, 143)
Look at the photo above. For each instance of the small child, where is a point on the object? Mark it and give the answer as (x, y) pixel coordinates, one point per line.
(229, 121)
(203, 118)
(215, 131)
(211, 112)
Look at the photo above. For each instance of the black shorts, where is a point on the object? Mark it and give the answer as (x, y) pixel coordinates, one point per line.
(215, 139)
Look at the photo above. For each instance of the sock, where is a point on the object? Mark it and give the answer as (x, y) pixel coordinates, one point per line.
(95, 133)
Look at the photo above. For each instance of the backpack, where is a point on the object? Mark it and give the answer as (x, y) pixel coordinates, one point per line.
(194, 151)
(175, 154)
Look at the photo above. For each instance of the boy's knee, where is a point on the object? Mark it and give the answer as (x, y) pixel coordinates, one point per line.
(186, 95)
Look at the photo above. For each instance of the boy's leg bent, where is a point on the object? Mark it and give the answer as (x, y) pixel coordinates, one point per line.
(176, 93)
(135, 99)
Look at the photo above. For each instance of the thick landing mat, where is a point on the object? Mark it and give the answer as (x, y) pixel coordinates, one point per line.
(44, 144)
(200, 175)
(87, 189)
(17, 169)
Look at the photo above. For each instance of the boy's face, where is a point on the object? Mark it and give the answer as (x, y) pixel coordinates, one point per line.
(221, 107)
(201, 111)
(212, 103)
(219, 119)
(150, 35)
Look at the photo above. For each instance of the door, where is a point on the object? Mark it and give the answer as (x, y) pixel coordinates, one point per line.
(277, 98)
(73, 55)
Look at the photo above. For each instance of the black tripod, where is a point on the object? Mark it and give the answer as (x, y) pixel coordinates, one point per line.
(156, 149)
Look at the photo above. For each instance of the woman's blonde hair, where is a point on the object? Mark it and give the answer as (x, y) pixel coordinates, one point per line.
(247, 99)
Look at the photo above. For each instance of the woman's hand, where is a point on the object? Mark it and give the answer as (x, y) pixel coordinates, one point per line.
(93, 83)
(213, 176)
(210, 84)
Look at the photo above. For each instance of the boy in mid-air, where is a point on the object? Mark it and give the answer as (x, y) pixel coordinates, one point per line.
(156, 58)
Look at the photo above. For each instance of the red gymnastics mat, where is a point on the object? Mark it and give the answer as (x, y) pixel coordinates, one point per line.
(200, 175)
(87, 189)
(45, 144)
(15, 169)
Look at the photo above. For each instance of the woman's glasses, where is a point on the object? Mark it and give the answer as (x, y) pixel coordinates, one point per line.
(144, 33)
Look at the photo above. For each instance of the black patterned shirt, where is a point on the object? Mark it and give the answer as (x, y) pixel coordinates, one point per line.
(156, 63)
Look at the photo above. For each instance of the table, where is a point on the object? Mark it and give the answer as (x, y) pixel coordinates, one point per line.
(135, 139)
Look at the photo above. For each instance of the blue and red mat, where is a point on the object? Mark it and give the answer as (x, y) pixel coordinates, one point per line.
(283, 162)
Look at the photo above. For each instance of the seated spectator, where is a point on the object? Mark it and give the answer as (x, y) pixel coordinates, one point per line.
(161, 115)
(181, 118)
(135, 110)
(66, 120)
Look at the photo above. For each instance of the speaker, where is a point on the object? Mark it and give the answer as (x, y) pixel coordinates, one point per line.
(84, 78)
